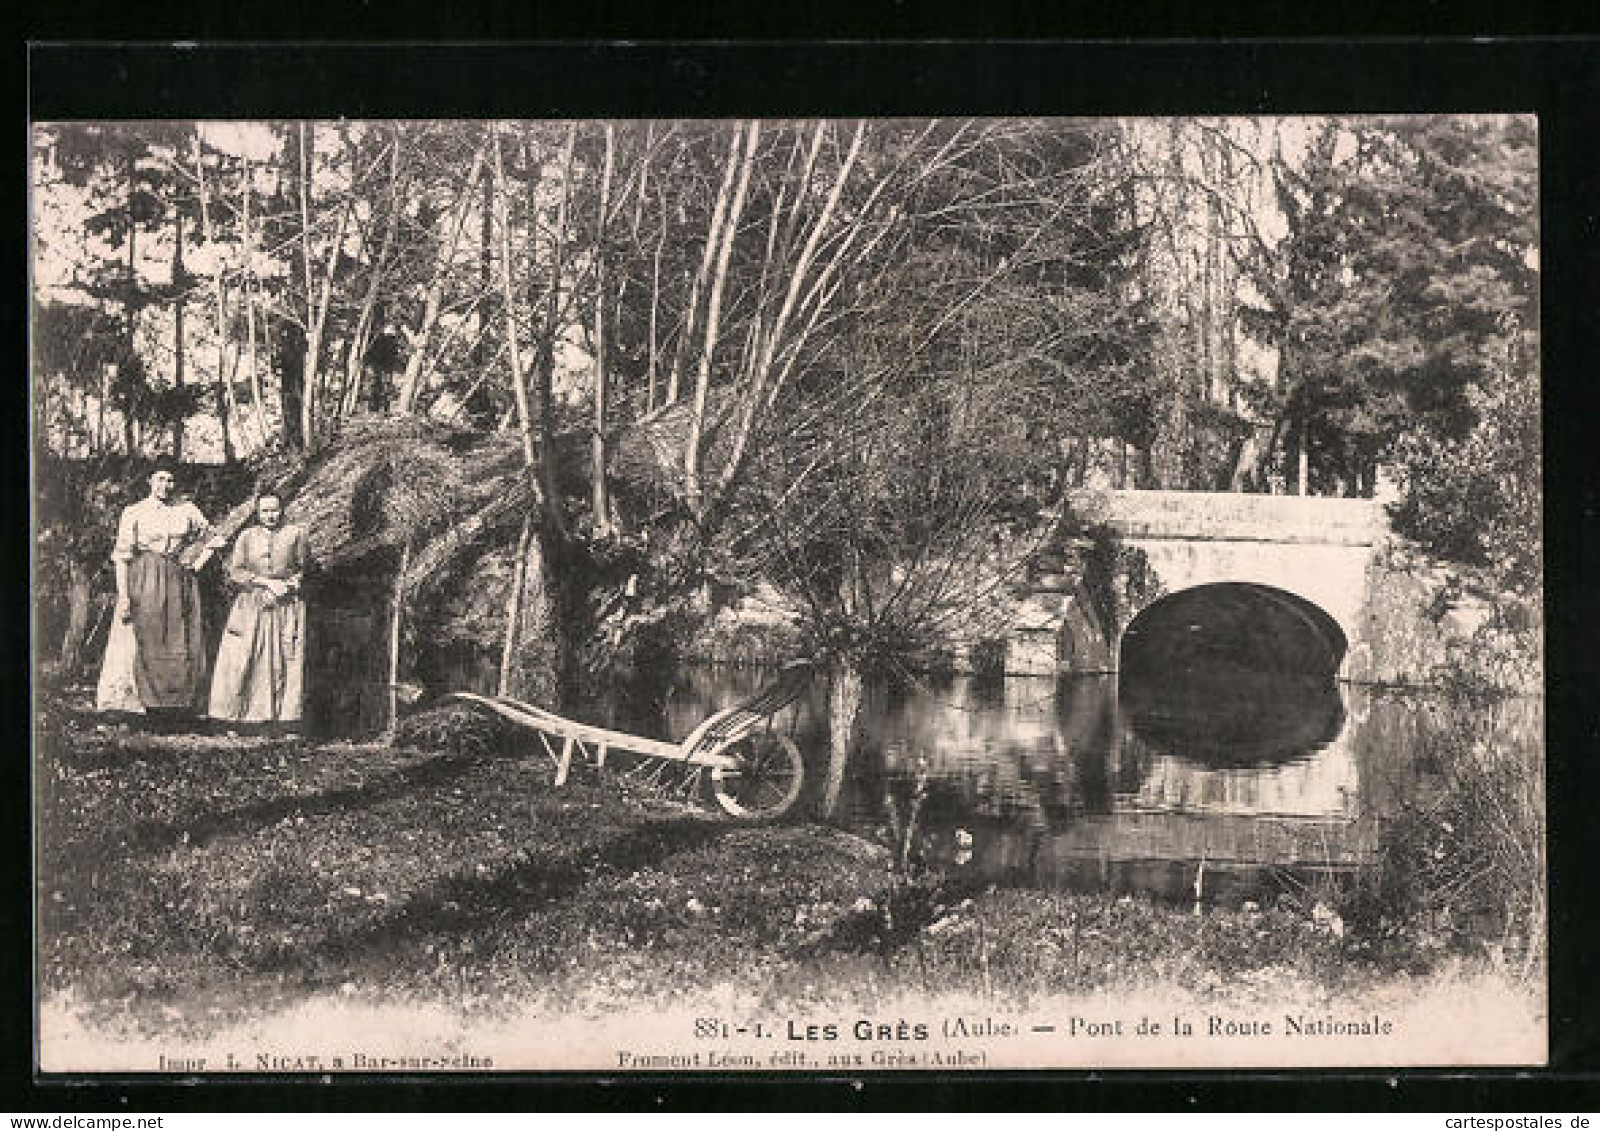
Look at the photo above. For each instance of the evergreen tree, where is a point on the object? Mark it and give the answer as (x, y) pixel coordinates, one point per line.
(1401, 300)
(137, 210)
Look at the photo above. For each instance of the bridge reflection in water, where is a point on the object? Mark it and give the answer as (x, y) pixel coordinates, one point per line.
(1257, 783)
(1226, 783)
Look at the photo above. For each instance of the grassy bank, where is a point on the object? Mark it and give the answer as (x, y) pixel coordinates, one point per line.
(189, 881)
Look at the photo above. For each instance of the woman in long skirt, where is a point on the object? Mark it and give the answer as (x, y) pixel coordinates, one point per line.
(155, 656)
(260, 671)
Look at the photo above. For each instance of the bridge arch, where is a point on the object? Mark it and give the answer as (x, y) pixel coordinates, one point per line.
(1232, 624)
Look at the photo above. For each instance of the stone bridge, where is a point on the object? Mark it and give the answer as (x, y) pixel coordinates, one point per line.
(1274, 582)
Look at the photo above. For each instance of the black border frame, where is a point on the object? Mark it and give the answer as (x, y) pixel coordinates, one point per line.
(1556, 78)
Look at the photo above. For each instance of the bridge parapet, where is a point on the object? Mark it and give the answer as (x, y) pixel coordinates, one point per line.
(1219, 516)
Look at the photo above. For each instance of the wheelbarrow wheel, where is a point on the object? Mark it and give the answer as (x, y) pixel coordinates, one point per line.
(766, 783)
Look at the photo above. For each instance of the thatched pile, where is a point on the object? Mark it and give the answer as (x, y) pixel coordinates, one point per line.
(646, 457)
(392, 482)
(387, 479)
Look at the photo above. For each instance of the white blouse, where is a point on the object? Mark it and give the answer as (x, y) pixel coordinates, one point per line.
(156, 527)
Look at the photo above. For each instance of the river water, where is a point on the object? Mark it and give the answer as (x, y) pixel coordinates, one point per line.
(1229, 786)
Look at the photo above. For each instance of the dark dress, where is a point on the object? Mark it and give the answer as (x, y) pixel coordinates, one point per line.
(156, 660)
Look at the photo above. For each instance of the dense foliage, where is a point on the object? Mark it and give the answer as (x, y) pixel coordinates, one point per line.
(903, 337)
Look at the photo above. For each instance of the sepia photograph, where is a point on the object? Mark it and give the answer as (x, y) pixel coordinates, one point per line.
(806, 595)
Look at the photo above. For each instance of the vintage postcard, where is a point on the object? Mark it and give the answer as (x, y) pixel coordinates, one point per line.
(824, 595)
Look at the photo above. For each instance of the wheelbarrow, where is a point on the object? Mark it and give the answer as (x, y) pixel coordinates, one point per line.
(756, 771)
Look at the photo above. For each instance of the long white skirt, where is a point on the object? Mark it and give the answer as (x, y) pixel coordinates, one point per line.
(117, 690)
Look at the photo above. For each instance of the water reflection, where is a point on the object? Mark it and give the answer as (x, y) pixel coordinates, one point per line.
(1210, 785)
(1232, 716)
(1242, 742)
(1230, 784)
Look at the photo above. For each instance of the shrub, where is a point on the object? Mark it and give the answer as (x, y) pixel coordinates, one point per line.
(1464, 869)
(1502, 656)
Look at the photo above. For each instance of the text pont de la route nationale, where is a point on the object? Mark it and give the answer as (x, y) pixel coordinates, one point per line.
(901, 1029)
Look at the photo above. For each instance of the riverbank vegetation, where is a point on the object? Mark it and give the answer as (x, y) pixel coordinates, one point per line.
(194, 882)
(1462, 867)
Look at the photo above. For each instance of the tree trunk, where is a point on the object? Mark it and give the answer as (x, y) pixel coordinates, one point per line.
(599, 498)
(396, 623)
(554, 522)
(519, 382)
(418, 365)
(360, 342)
(1246, 465)
(719, 279)
(1303, 468)
(177, 327)
(764, 382)
(536, 667)
(225, 367)
(312, 336)
(258, 400)
(130, 307)
(80, 603)
(478, 404)
(533, 661)
(707, 255)
(655, 306)
(519, 581)
(100, 418)
(844, 724)
(288, 342)
(317, 305)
